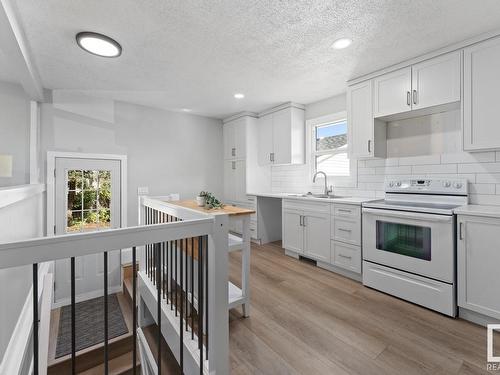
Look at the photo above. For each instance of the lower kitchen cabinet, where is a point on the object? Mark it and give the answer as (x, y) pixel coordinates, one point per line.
(316, 235)
(479, 265)
(346, 256)
(293, 233)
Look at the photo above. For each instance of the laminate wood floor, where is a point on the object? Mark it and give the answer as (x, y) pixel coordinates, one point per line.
(305, 320)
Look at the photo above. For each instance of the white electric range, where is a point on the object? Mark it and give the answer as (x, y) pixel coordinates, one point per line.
(409, 241)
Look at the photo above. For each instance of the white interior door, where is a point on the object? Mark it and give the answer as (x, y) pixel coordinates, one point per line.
(87, 198)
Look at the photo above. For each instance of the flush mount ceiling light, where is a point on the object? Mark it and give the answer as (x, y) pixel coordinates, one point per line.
(342, 43)
(186, 110)
(98, 44)
(239, 96)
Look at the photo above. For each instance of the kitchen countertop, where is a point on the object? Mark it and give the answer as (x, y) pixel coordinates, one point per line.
(478, 210)
(229, 210)
(346, 200)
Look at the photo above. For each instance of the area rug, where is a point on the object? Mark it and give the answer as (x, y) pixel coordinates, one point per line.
(89, 322)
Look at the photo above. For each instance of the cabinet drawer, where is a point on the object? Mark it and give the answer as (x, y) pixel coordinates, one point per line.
(346, 230)
(346, 256)
(346, 210)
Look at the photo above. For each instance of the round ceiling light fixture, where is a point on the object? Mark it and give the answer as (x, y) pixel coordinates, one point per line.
(342, 43)
(239, 96)
(98, 44)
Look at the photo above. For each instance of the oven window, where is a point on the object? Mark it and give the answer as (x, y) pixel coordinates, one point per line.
(409, 240)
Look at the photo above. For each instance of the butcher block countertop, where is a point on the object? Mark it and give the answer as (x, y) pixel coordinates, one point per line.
(226, 210)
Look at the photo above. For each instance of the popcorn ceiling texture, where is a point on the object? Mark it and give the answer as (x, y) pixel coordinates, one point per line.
(196, 54)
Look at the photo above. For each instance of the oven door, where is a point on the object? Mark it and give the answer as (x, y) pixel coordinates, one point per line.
(419, 243)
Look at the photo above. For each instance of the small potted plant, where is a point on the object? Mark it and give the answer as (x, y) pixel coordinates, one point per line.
(201, 199)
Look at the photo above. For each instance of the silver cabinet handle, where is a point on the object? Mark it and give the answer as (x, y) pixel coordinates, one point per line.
(233, 151)
(345, 256)
(344, 230)
(414, 96)
(233, 165)
(304, 221)
(369, 146)
(408, 99)
(272, 156)
(460, 231)
(344, 210)
(300, 220)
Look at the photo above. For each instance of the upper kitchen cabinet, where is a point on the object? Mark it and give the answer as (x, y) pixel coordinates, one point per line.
(362, 128)
(481, 129)
(391, 93)
(235, 138)
(430, 83)
(281, 135)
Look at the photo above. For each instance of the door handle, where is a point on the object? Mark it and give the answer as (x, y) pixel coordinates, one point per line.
(300, 220)
(408, 99)
(303, 221)
(460, 231)
(345, 256)
(233, 165)
(369, 146)
(272, 157)
(414, 96)
(233, 151)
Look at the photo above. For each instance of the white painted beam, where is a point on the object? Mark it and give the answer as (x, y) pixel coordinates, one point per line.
(14, 45)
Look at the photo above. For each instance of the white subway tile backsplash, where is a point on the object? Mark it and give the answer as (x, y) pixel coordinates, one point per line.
(479, 168)
(466, 157)
(371, 178)
(484, 178)
(365, 171)
(482, 188)
(382, 162)
(484, 199)
(420, 160)
(393, 170)
(434, 168)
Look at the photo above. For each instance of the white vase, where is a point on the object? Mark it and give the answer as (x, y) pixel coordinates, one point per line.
(200, 201)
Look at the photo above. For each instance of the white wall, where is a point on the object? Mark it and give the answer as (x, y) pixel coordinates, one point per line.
(14, 132)
(167, 151)
(427, 146)
(19, 221)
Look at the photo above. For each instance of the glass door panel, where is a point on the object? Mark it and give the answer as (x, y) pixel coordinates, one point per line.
(403, 239)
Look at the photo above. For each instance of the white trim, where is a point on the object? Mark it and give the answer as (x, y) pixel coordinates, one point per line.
(427, 56)
(51, 164)
(13, 194)
(17, 350)
(34, 142)
(239, 115)
(85, 296)
(280, 107)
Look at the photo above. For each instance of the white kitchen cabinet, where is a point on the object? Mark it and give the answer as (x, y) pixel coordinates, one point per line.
(234, 134)
(281, 135)
(234, 180)
(306, 229)
(293, 233)
(392, 93)
(346, 256)
(316, 240)
(265, 125)
(478, 265)
(481, 122)
(436, 81)
(366, 135)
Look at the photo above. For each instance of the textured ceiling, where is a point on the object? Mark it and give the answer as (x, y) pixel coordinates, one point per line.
(196, 54)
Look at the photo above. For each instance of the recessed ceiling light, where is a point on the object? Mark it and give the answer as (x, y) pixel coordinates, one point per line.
(98, 44)
(239, 96)
(342, 43)
(186, 110)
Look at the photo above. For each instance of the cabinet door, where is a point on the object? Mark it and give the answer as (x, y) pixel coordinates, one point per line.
(478, 265)
(229, 143)
(392, 93)
(436, 81)
(265, 124)
(229, 173)
(481, 110)
(360, 119)
(240, 138)
(293, 232)
(317, 236)
(239, 183)
(282, 136)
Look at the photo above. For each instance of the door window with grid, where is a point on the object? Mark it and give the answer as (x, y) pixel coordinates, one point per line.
(330, 153)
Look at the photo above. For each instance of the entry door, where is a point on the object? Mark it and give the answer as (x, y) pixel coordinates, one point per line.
(87, 199)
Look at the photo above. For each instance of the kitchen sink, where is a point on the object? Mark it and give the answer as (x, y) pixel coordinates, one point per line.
(310, 195)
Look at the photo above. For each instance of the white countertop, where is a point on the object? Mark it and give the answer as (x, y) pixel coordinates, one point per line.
(345, 200)
(478, 210)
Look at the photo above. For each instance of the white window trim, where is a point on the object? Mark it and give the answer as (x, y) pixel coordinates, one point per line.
(337, 181)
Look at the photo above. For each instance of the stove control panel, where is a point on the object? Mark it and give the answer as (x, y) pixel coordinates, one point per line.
(427, 186)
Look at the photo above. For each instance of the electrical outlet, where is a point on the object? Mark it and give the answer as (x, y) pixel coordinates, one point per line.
(142, 190)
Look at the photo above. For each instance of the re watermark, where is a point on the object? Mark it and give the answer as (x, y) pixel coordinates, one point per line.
(493, 361)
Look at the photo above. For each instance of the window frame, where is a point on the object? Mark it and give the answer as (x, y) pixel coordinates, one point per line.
(332, 152)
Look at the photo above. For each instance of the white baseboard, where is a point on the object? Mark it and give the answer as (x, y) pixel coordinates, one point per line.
(476, 318)
(86, 296)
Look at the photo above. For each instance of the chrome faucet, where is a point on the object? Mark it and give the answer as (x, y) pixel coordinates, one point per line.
(327, 190)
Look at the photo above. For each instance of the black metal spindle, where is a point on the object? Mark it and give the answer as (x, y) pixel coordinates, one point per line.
(158, 297)
(181, 314)
(171, 275)
(73, 318)
(192, 288)
(134, 312)
(186, 284)
(176, 279)
(206, 292)
(200, 302)
(35, 319)
(146, 247)
(106, 338)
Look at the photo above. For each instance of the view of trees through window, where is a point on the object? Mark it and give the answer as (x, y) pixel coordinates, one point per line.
(88, 200)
